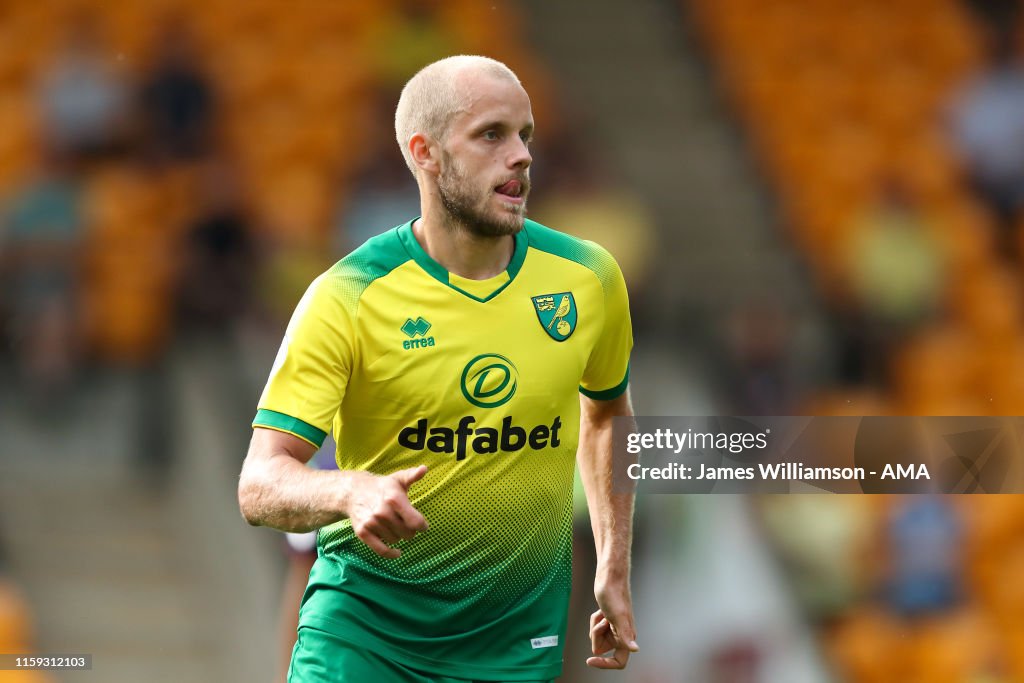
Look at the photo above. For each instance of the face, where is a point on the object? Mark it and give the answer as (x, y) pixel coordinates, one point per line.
(485, 161)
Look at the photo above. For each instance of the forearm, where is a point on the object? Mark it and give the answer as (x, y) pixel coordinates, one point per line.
(278, 491)
(611, 511)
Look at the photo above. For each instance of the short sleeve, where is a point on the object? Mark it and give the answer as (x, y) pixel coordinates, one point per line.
(606, 375)
(308, 379)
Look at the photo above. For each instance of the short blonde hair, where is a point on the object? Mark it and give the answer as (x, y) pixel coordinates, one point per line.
(431, 98)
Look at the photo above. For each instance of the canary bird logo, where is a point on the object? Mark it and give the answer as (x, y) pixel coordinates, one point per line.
(557, 314)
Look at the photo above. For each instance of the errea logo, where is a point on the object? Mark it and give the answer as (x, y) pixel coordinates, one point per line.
(416, 330)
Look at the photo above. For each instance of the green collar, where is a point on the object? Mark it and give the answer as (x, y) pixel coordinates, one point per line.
(437, 271)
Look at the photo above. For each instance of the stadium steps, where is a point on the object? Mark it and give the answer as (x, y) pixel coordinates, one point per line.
(105, 565)
(632, 70)
(243, 566)
(156, 586)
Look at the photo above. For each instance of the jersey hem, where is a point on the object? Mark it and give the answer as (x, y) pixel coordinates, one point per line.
(428, 665)
(608, 394)
(271, 419)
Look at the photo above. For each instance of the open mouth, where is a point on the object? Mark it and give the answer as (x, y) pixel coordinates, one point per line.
(513, 189)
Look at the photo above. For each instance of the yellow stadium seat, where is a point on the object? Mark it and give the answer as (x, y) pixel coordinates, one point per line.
(952, 648)
(935, 370)
(867, 647)
(15, 619)
(988, 305)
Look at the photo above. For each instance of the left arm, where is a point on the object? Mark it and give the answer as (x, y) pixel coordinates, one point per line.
(611, 517)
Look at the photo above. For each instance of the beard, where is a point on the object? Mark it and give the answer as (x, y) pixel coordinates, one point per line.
(468, 208)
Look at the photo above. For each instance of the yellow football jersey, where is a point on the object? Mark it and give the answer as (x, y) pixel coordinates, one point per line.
(409, 364)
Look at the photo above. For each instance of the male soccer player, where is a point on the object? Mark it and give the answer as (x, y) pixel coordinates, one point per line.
(459, 359)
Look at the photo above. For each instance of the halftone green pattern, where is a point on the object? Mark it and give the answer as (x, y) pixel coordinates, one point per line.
(494, 536)
(377, 257)
(493, 570)
(586, 253)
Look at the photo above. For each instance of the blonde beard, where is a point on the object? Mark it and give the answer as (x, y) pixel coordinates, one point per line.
(462, 209)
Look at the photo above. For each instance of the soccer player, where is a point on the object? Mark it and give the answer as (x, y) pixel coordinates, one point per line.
(459, 359)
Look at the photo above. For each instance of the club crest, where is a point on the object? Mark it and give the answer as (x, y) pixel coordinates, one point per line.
(556, 313)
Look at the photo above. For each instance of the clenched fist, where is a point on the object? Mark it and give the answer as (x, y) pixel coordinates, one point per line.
(380, 511)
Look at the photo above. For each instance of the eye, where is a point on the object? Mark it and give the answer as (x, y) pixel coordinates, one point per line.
(526, 137)
(491, 135)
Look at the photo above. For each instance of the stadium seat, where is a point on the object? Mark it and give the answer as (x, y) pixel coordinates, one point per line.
(866, 648)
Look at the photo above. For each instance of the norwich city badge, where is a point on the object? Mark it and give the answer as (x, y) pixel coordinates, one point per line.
(557, 314)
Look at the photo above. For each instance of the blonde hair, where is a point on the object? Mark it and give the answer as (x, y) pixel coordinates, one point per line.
(431, 98)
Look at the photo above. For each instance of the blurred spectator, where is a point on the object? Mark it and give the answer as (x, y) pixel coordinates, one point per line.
(738, 661)
(925, 550)
(176, 99)
(895, 272)
(757, 371)
(82, 98)
(219, 258)
(284, 277)
(414, 36)
(987, 126)
(999, 16)
(821, 542)
(384, 193)
(577, 195)
(40, 235)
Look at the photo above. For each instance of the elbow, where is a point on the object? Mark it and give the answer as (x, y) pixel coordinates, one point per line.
(248, 497)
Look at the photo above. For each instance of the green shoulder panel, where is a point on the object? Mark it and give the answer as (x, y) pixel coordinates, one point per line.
(377, 257)
(584, 252)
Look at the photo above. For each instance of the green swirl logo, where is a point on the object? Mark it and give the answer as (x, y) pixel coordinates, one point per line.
(489, 380)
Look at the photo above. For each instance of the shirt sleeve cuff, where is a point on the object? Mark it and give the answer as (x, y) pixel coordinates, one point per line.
(271, 419)
(608, 394)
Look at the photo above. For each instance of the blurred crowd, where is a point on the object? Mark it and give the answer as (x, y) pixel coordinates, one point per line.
(181, 172)
(191, 182)
(892, 135)
(174, 172)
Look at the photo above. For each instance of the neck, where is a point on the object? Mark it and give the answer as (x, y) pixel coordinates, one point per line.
(457, 249)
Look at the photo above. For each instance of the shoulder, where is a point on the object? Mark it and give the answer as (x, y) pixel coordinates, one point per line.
(375, 258)
(590, 255)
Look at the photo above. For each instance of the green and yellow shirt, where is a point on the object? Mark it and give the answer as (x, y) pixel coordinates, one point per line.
(409, 364)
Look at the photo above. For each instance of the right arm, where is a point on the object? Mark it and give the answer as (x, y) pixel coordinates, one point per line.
(306, 386)
(277, 490)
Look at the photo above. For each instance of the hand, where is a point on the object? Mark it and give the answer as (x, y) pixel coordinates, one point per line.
(611, 629)
(380, 510)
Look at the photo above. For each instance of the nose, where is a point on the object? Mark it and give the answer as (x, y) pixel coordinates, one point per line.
(520, 156)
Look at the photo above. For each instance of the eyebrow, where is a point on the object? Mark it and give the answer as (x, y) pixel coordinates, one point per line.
(501, 124)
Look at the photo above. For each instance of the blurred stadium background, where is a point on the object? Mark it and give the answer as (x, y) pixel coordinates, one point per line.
(817, 206)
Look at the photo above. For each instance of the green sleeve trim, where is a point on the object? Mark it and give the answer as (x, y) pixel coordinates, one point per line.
(290, 425)
(608, 394)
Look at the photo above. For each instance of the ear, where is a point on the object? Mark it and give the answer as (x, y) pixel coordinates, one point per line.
(425, 153)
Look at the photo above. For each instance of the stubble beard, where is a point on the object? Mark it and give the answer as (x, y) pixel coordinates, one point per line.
(466, 208)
